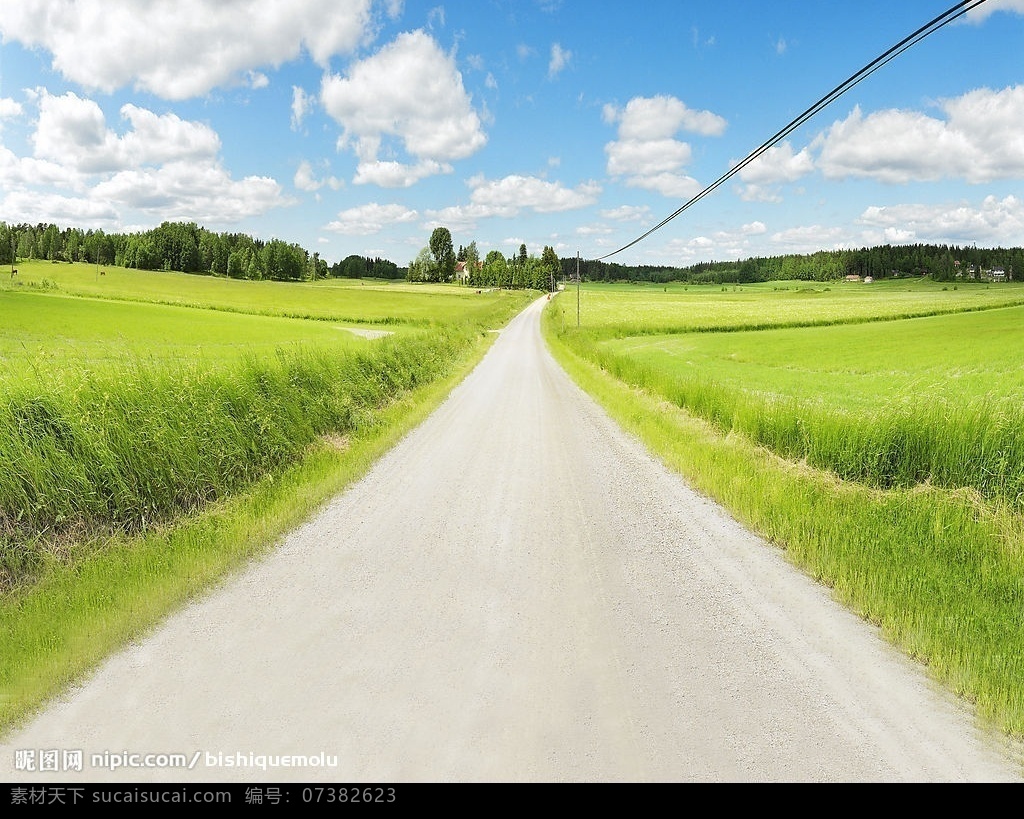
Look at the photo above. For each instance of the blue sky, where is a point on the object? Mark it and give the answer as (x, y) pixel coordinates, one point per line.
(358, 126)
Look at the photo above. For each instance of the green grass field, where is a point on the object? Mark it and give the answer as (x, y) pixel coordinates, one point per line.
(355, 301)
(639, 309)
(952, 359)
(156, 429)
(52, 333)
(884, 453)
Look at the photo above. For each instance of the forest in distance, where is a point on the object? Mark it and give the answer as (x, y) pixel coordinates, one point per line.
(190, 248)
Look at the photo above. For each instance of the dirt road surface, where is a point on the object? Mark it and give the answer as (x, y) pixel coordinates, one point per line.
(517, 592)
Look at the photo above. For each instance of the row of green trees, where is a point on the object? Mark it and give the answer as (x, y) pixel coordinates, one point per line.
(182, 246)
(187, 247)
(439, 262)
(940, 262)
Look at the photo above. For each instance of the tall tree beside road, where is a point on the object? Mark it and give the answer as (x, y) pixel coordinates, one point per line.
(444, 253)
(552, 266)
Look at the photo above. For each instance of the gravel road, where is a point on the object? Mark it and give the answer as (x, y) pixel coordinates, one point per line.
(518, 592)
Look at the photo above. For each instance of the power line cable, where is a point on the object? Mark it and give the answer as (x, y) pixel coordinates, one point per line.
(931, 27)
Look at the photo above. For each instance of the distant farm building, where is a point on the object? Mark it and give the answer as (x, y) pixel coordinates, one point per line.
(463, 271)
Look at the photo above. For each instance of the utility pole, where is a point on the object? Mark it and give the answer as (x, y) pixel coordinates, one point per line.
(577, 290)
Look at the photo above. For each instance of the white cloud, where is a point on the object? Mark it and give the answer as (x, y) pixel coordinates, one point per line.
(301, 104)
(257, 80)
(9, 108)
(397, 174)
(458, 218)
(20, 172)
(661, 117)
(979, 141)
(72, 131)
(560, 58)
(808, 238)
(34, 208)
(635, 157)
(178, 49)
(410, 92)
(753, 229)
(305, 179)
(202, 192)
(646, 154)
(627, 213)
(436, 17)
(506, 197)
(162, 165)
(778, 164)
(588, 231)
(999, 221)
(985, 9)
(371, 218)
(759, 193)
(514, 192)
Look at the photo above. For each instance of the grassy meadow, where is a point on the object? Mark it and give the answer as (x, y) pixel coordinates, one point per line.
(874, 432)
(351, 301)
(156, 429)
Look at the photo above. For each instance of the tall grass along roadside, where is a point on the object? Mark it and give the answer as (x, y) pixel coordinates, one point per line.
(137, 444)
(914, 519)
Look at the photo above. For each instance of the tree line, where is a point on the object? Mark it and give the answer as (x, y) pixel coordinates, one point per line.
(185, 247)
(939, 262)
(439, 262)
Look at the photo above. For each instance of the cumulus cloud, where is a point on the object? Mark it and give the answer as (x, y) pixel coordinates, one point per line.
(560, 58)
(661, 117)
(985, 9)
(389, 174)
(410, 93)
(508, 196)
(161, 165)
(188, 191)
(23, 171)
(178, 49)
(72, 131)
(979, 140)
(995, 220)
(371, 218)
(35, 207)
(778, 164)
(646, 154)
(516, 192)
(9, 108)
(305, 179)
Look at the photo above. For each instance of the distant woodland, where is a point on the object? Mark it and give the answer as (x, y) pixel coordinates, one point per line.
(189, 248)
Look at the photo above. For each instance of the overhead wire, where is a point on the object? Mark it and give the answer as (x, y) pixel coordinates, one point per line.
(907, 42)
